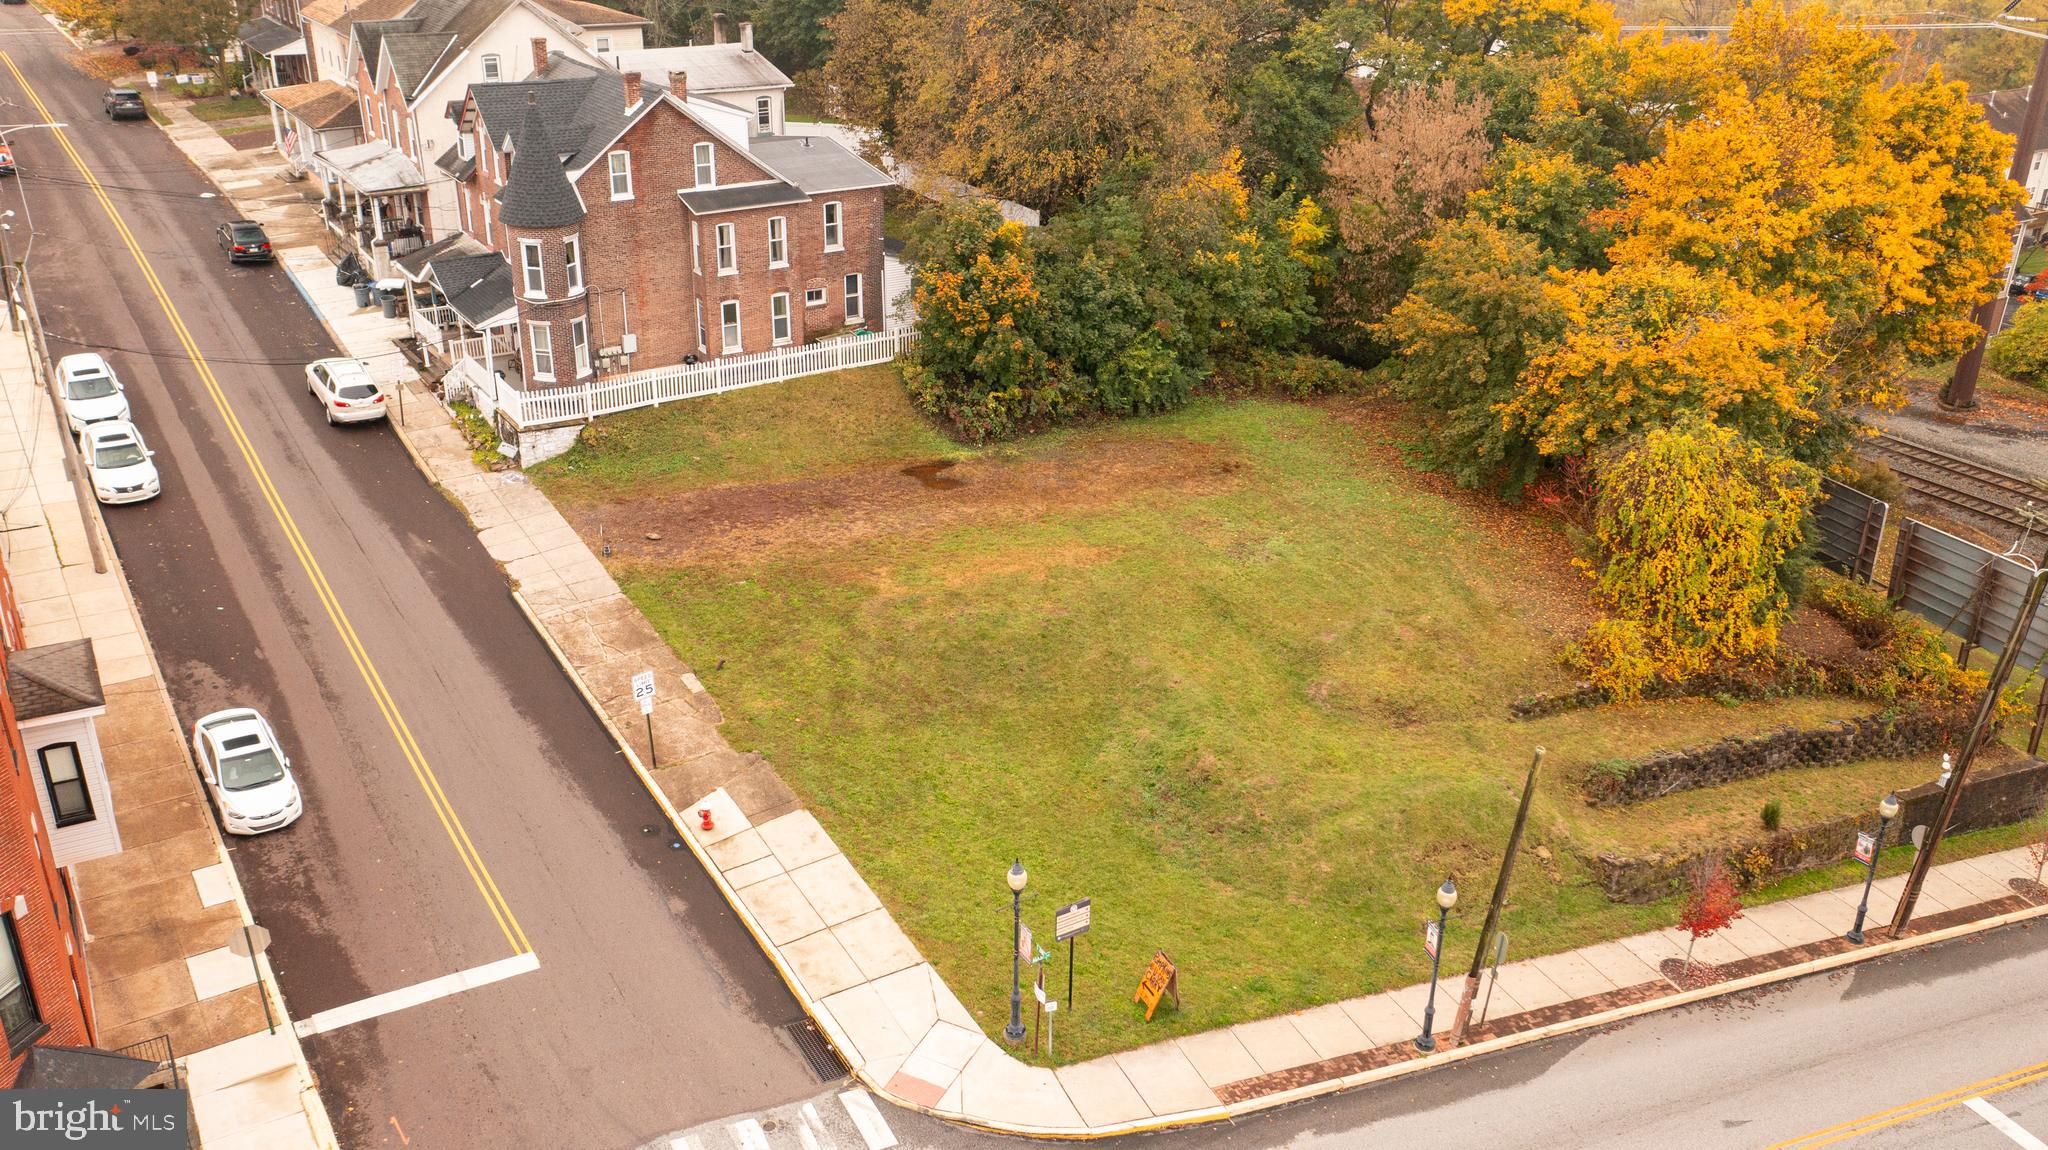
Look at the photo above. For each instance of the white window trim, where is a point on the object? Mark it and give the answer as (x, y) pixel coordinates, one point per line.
(702, 347)
(539, 341)
(572, 263)
(703, 156)
(528, 272)
(739, 333)
(696, 258)
(612, 168)
(725, 241)
(603, 43)
(764, 115)
(834, 221)
(778, 241)
(493, 69)
(579, 345)
(857, 298)
(486, 202)
(787, 320)
(815, 297)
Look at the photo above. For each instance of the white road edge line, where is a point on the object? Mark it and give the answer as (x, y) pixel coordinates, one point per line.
(428, 991)
(2004, 1125)
(867, 1118)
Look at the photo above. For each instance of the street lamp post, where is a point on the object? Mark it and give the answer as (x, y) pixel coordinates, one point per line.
(1014, 1033)
(1887, 810)
(1446, 898)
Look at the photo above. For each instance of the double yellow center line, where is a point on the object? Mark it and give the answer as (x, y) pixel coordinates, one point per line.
(471, 860)
(1932, 1104)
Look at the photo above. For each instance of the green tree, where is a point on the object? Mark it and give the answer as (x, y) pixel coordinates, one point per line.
(978, 363)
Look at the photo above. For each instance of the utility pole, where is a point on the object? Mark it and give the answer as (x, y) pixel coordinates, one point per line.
(1961, 392)
(1500, 892)
(1980, 730)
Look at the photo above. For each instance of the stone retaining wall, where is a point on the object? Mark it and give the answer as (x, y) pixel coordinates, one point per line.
(1994, 796)
(1746, 757)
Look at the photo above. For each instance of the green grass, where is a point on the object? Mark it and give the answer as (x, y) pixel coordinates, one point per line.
(213, 108)
(1257, 719)
(2033, 260)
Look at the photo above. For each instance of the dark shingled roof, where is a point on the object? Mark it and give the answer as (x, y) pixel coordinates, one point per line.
(537, 192)
(414, 262)
(264, 35)
(54, 679)
(582, 108)
(2006, 110)
(82, 1068)
(415, 55)
(478, 287)
(453, 163)
(731, 198)
(370, 35)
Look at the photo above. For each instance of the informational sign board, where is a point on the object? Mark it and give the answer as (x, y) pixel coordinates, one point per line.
(1866, 846)
(643, 690)
(1429, 937)
(1024, 943)
(1071, 919)
(1162, 979)
(249, 941)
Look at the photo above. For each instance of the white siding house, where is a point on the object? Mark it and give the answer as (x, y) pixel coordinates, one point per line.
(56, 691)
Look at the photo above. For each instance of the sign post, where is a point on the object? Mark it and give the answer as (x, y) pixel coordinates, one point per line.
(643, 690)
(1162, 979)
(253, 940)
(1500, 951)
(1068, 923)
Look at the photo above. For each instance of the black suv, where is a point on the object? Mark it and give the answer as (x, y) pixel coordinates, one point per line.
(125, 104)
(244, 242)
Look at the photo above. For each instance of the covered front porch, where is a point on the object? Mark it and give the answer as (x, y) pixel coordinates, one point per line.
(463, 320)
(375, 205)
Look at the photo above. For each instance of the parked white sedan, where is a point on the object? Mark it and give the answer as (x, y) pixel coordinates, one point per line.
(249, 774)
(118, 462)
(345, 389)
(92, 392)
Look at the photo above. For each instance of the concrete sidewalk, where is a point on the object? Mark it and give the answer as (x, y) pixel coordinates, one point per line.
(158, 914)
(900, 1028)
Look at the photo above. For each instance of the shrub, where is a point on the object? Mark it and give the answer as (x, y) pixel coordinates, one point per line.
(1615, 657)
(1699, 532)
(1873, 477)
(1906, 660)
(1773, 814)
(1300, 375)
(2021, 351)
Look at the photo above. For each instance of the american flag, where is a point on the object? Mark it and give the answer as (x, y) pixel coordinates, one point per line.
(291, 141)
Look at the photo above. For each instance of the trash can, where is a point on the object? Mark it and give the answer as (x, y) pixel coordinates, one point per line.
(362, 293)
(389, 293)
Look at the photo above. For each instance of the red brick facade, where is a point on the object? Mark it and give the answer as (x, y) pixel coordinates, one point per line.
(53, 955)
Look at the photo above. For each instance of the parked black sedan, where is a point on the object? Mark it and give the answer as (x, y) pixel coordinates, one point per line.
(244, 242)
(124, 104)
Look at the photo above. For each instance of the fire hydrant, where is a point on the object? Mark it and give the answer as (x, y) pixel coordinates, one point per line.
(705, 814)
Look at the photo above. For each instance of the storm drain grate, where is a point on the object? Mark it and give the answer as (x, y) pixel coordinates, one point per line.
(824, 1061)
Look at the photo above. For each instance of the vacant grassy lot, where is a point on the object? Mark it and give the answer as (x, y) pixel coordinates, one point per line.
(1236, 673)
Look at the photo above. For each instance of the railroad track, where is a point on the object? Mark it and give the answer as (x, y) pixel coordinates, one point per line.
(1962, 485)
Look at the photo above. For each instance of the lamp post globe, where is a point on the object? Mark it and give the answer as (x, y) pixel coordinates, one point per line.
(1014, 1032)
(1446, 898)
(1888, 808)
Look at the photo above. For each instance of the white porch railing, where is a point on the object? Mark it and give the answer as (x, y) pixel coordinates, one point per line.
(663, 385)
(433, 323)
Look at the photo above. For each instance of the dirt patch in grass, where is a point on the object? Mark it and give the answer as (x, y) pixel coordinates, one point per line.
(749, 523)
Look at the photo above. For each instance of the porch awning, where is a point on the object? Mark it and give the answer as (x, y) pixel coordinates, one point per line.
(415, 265)
(478, 287)
(267, 37)
(374, 169)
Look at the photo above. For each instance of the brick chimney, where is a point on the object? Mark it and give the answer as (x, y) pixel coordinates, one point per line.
(718, 27)
(679, 83)
(632, 90)
(540, 53)
(746, 37)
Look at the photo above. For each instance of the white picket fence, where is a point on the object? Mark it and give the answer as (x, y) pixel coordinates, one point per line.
(555, 405)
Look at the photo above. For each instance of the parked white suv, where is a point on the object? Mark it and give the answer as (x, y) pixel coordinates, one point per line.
(92, 392)
(249, 775)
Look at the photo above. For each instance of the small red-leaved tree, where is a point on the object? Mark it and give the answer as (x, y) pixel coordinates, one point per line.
(1710, 904)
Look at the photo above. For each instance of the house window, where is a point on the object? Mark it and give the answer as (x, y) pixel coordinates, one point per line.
(491, 67)
(729, 326)
(700, 326)
(486, 200)
(778, 317)
(542, 344)
(622, 175)
(778, 242)
(853, 309)
(707, 165)
(572, 262)
(835, 240)
(19, 1019)
(728, 258)
(604, 43)
(764, 115)
(579, 344)
(814, 297)
(64, 779)
(530, 270)
(696, 264)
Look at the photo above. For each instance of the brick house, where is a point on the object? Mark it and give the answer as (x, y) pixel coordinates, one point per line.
(632, 224)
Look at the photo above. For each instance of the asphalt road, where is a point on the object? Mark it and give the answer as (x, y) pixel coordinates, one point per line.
(651, 1008)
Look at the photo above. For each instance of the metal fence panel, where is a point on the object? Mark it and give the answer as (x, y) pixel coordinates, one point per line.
(1850, 526)
(1964, 589)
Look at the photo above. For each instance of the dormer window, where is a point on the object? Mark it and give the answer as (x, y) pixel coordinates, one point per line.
(707, 165)
(465, 146)
(491, 67)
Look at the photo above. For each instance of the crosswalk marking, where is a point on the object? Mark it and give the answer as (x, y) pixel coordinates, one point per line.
(749, 1135)
(812, 1133)
(868, 1120)
(2004, 1125)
